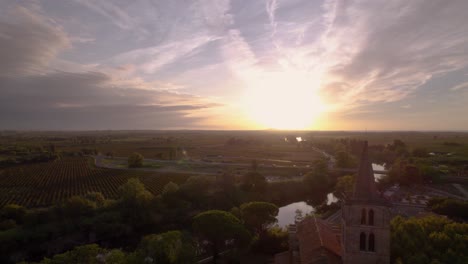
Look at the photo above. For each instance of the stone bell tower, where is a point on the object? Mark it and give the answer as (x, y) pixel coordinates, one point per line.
(366, 220)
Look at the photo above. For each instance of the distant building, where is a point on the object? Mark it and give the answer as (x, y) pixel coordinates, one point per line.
(363, 237)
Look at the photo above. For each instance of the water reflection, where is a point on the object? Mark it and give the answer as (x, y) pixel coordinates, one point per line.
(331, 199)
(378, 167)
(287, 213)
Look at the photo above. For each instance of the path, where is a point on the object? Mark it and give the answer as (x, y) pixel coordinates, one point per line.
(444, 193)
(461, 189)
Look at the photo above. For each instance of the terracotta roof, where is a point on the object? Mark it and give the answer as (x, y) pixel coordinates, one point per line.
(315, 236)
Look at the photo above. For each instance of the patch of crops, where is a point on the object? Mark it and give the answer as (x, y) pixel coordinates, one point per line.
(46, 184)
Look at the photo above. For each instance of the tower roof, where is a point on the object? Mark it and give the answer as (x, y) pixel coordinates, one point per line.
(365, 188)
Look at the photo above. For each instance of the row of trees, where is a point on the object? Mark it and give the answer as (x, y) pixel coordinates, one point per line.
(32, 234)
(213, 231)
(453, 208)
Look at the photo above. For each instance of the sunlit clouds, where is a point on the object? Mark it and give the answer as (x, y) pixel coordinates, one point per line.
(284, 100)
(283, 64)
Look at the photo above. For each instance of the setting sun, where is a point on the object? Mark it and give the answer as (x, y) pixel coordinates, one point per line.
(284, 100)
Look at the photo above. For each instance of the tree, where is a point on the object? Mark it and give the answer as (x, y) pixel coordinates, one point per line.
(432, 238)
(13, 212)
(453, 208)
(344, 159)
(404, 173)
(316, 182)
(320, 166)
(274, 240)
(258, 216)
(192, 190)
(420, 152)
(89, 254)
(135, 160)
(167, 248)
(96, 197)
(217, 227)
(227, 182)
(398, 146)
(344, 187)
(134, 192)
(236, 212)
(135, 202)
(170, 195)
(81, 254)
(78, 206)
(116, 256)
(429, 174)
(170, 188)
(253, 180)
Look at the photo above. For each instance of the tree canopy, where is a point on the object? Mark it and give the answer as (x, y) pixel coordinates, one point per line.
(217, 227)
(134, 192)
(167, 248)
(135, 160)
(453, 208)
(316, 182)
(431, 239)
(258, 216)
(344, 186)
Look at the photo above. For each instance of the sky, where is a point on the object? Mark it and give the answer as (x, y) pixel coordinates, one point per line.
(232, 64)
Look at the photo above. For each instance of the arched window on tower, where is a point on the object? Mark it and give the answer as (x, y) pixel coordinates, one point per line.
(363, 216)
(371, 242)
(362, 241)
(371, 217)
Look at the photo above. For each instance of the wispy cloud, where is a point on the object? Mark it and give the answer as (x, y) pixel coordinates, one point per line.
(271, 6)
(29, 42)
(113, 12)
(36, 95)
(460, 86)
(354, 53)
(152, 59)
(384, 51)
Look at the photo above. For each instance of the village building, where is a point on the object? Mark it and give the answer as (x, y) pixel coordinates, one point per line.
(362, 236)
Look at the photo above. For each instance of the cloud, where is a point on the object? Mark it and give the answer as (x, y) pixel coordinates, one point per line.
(113, 12)
(459, 86)
(28, 42)
(152, 59)
(140, 56)
(92, 100)
(37, 96)
(384, 51)
(83, 40)
(271, 6)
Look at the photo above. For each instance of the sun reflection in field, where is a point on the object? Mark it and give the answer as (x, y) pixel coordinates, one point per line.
(284, 100)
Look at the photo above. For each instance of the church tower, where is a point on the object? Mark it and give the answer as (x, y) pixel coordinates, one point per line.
(366, 220)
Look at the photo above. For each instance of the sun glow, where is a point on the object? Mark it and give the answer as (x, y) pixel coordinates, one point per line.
(284, 100)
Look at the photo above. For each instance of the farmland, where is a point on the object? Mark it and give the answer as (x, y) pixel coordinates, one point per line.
(46, 184)
(174, 155)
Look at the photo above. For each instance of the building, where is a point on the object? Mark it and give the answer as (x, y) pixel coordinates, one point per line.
(366, 220)
(362, 237)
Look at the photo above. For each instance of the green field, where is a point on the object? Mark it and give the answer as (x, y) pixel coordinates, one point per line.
(46, 184)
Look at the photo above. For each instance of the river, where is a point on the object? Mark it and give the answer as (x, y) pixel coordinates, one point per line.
(378, 176)
(287, 213)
